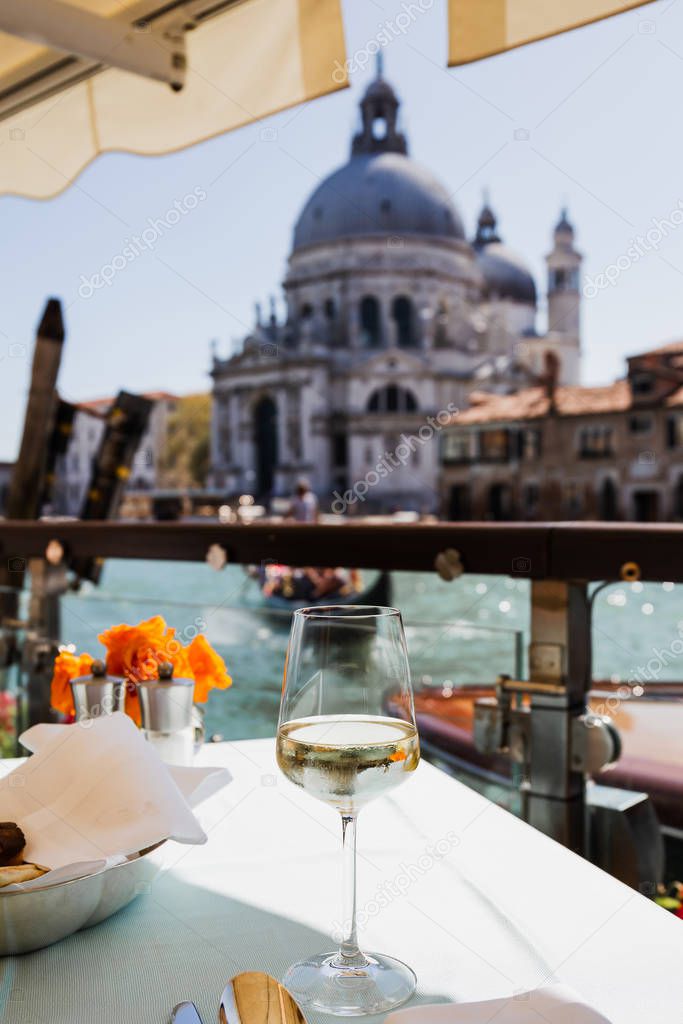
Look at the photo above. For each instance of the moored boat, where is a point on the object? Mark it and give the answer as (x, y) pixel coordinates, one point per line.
(284, 589)
(650, 724)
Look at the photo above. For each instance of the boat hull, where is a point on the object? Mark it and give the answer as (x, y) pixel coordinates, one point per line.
(651, 728)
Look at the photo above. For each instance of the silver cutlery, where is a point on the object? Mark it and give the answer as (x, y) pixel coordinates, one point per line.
(185, 1013)
(256, 998)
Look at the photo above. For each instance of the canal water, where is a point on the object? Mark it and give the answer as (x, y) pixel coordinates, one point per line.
(458, 633)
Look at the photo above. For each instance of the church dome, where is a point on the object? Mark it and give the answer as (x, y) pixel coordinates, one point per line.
(377, 194)
(380, 191)
(506, 274)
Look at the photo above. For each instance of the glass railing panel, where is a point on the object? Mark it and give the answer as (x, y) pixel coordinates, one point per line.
(638, 671)
(446, 649)
(463, 633)
(486, 600)
(224, 605)
(638, 633)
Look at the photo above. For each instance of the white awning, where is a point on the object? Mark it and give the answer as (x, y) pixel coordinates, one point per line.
(150, 77)
(480, 28)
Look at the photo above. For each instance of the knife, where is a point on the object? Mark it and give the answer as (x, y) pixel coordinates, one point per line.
(185, 1013)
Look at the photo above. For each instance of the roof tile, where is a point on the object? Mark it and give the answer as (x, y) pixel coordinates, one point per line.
(534, 403)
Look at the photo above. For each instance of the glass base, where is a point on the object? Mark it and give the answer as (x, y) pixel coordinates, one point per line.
(330, 984)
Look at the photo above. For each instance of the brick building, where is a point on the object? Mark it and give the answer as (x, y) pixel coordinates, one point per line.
(550, 452)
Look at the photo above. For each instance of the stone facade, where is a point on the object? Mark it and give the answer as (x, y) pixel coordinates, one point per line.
(569, 453)
(392, 317)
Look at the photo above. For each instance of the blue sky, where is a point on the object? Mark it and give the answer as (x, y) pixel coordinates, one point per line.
(590, 119)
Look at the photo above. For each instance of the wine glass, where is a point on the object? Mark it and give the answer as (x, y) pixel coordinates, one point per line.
(347, 734)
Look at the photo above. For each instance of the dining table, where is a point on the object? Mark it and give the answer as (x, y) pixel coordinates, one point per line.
(480, 905)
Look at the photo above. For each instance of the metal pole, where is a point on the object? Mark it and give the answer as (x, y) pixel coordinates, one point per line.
(113, 42)
(559, 660)
(48, 583)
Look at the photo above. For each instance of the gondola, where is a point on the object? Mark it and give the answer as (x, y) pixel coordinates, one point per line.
(377, 593)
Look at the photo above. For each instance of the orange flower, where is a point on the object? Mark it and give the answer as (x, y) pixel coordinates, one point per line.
(206, 668)
(68, 666)
(132, 702)
(135, 652)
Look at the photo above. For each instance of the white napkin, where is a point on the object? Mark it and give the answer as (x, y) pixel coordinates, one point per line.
(89, 797)
(553, 1004)
(196, 784)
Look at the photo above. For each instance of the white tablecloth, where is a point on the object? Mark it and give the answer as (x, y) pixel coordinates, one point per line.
(478, 903)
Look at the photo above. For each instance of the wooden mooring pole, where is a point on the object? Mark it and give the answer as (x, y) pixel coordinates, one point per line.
(24, 501)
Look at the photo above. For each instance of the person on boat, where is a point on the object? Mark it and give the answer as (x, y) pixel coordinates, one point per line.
(304, 507)
(309, 583)
(328, 582)
(291, 584)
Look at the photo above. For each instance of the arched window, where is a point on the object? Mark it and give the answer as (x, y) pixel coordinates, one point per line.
(608, 500)
(441, 326)
(563, 279)
(370, 322)
(330, 309)
(404, 318)
(500, 502)
(306, 311)
(459, 502)
(266, 443)
(379, 128)
(392, 399)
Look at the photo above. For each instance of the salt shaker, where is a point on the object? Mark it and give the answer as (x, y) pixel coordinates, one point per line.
(167, 720)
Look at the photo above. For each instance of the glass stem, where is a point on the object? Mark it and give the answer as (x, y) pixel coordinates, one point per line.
(349, 953)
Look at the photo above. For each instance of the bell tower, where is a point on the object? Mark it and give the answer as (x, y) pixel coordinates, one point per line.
(564, 296)
(487, 226)
(563, 339)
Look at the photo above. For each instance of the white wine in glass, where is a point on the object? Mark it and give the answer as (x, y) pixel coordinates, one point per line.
(347, 735)
(347, 760)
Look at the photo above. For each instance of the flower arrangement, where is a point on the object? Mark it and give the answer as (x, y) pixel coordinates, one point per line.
(671, 898)
(8, 724)
(135, 652)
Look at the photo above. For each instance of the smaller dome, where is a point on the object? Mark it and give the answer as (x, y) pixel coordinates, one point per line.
(506, 274)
